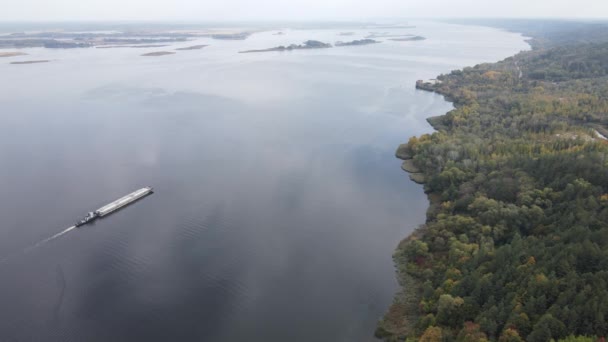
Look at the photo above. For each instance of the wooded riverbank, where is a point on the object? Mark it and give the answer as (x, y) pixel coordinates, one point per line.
(514, 247)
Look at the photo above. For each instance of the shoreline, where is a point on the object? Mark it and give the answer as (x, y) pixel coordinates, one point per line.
(404, 308)
(398, 323)
(516, 180)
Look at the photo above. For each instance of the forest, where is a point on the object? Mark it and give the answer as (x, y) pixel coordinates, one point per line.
(515, 247)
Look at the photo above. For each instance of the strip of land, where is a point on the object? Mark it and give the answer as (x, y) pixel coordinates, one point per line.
(129, 46)
(31, 62)
(307, 45)
(357, 42)
(408, 39)
(194, 47)
(158, 53)
(72, 40)
(373, 35)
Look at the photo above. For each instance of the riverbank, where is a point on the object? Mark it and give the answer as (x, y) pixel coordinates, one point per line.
(397, 324)
(516, 182)
(401, 320)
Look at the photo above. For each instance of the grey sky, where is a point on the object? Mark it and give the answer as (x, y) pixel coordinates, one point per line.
(293, 9)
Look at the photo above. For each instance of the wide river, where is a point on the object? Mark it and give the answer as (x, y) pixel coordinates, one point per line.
(278, 202)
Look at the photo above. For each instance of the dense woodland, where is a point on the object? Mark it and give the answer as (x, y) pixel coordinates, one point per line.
(515, 247)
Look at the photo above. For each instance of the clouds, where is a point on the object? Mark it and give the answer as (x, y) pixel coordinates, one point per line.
(219, 10)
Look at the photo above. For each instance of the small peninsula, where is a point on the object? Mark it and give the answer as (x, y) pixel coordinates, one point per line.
(358, 42)
(158, 53)
(309, 44)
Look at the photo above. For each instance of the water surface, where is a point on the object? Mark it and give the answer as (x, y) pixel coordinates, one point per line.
(278, 199)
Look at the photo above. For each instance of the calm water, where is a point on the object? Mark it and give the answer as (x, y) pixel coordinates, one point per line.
(278, 199)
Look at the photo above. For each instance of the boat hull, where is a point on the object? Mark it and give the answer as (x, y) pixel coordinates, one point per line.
(116, 205)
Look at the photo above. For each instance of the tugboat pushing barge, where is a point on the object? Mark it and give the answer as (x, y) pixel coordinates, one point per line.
(112, 207)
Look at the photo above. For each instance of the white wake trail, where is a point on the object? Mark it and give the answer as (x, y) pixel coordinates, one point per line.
(67, 230)
(47, 240)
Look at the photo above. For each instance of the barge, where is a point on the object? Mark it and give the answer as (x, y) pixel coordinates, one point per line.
(112, 207)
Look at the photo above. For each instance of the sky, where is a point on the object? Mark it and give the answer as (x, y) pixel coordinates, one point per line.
(234, 10)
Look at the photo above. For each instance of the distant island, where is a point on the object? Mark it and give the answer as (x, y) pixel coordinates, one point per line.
(143, 40)
(372, 35)
(75, 42)
(46, 43)
(358, 42)
(398, 26)
(194, 47)
(346, 34)
(31, 62)
(231, 36)
(70, 40)
(129, 46)
(56, 44)
(388, 35)
(408, 39)
(158, 53)
(278, 33)
(309, 44)
(12, 54)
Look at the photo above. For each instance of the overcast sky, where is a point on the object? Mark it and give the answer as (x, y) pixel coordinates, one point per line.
(221, 10)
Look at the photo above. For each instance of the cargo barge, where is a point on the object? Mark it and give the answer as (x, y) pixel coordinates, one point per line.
(112, 207)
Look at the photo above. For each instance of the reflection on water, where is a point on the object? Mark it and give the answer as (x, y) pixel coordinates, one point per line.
(278, 199)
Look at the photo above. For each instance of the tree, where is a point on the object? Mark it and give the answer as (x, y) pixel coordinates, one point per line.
(471, 332)
(546, 329)
(510, 335)
(449, 310)
(432, 334)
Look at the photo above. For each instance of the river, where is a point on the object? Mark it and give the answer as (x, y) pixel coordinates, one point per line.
(278, 201)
